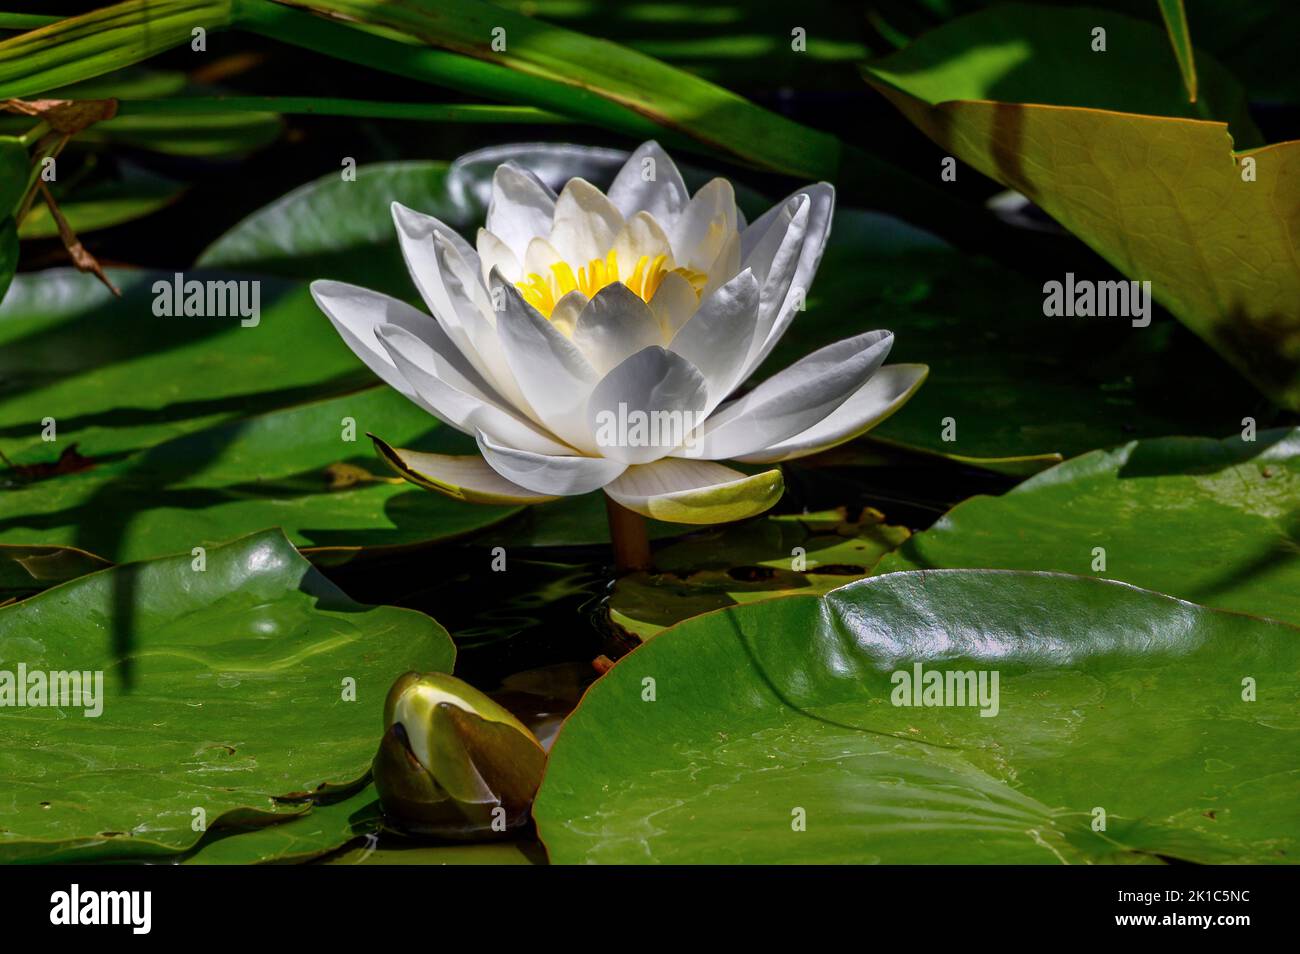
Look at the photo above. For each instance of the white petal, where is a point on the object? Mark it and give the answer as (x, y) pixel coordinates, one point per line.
(464, 478)
(882, 395)
(522, 207)
(551, 372)
(673, 303)
(777, 259)
(475, 334)
(564, 316)
(494, 253)
(641, 235)
(694, 491)
(822, 195)
(615, 324)
(705, 225)
(717, 337)
(586, 223)
(724, 267)
(414, 232)
(820, 212)
(793, 400)
(662, 390)
(546, 473)
(539, 257)
(461, 409)
(356, 312)
(649, 182)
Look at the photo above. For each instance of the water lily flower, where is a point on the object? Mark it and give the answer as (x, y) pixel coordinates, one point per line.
(594, 341)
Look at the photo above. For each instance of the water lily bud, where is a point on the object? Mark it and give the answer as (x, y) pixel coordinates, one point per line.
(452, 762)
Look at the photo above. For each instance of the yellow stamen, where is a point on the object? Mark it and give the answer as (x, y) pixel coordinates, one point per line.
(543, 292)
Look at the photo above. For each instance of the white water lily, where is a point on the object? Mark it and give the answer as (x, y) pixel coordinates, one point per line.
(591, 341)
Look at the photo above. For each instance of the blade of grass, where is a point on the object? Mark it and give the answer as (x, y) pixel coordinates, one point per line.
(78, 48)
(533, 50)
(312, 106)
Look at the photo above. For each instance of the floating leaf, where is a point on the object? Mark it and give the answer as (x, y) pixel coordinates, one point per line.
(103, 205)
(308, 469)
(1043, 114)
(26, 569)
(116, 377)
(224, 689)
(767, 733)
(751, 561)
(1217, 522)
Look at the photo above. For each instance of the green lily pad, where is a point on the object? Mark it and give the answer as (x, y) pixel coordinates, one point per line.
(1217, 522)
(744, 563)
(325, 828)
(350, 831)
(307, 469)
(115, 377)
(222, 690)
(103, 205)
(337, 229)
(26, 569)
(772, 736)
(1090, 137)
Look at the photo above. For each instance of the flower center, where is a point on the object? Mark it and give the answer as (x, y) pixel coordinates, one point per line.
(544, 291)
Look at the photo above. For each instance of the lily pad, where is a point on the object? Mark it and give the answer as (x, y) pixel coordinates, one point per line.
(767, 733)
(350, 831)
(752, 561)
(26, 569)
(307, 469)
(1217, 522)
(1091, 138)
(325, 828)
(115, 377)
(223, 689)
(102, 205)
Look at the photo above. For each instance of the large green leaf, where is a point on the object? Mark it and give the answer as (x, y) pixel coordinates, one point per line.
(1017, 93)
(1217, 522)
(340, 230)
(308, 469)
(328, 826)
(1109, 698)
(354, 823)
(27, 569)
(223, 690)
(103, 205)
(115, 377)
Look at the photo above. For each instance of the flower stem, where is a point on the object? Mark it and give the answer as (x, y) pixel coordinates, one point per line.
(627, 532)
